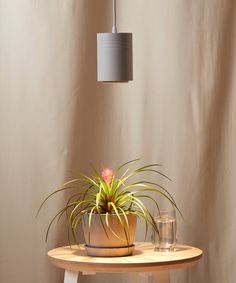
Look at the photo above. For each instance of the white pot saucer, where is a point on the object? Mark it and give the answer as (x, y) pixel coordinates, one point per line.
(109, 252)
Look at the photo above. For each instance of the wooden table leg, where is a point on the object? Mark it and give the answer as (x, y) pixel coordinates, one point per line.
(161, 277)
(71, 276)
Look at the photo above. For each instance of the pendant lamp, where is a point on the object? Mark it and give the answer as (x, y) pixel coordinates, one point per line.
(114, 55)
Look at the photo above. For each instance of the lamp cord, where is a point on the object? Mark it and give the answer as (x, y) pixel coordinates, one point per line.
(114, 28)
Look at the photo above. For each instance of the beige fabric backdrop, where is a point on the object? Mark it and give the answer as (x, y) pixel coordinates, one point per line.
(56, 119)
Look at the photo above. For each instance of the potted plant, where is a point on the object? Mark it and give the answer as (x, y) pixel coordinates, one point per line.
(108, 204)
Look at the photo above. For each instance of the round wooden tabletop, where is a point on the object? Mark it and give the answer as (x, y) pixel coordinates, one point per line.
(144, 259)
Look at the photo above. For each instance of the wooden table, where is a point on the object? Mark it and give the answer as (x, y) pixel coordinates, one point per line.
(144, 259)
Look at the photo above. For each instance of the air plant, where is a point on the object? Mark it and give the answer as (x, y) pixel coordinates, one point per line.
(108, 193)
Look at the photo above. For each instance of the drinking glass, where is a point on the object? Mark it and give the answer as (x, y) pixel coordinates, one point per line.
(165, 239)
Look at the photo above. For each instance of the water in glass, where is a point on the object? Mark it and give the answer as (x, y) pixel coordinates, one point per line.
(167, 231)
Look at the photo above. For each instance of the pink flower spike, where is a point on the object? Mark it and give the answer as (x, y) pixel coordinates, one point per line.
(107, 175)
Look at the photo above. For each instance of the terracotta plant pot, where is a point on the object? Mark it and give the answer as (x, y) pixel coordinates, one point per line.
(115, 240)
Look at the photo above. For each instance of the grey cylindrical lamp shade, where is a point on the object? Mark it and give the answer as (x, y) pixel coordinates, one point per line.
(114, 57)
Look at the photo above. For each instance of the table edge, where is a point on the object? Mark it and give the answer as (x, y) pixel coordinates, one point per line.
(125, 267)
